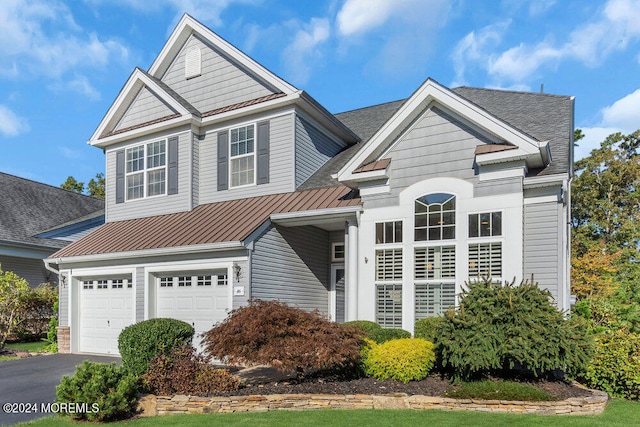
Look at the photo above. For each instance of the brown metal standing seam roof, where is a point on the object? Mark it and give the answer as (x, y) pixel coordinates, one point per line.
(228, 221)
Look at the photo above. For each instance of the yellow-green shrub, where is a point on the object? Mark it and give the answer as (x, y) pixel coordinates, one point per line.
(404, 359)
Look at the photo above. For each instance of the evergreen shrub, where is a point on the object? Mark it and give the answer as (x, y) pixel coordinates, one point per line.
(501, 328)
(426, 328)
(377, 333)
(140, 342)
(403, 359)
(107, 392)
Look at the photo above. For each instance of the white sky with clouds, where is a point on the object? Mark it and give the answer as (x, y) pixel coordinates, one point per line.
(62, 63)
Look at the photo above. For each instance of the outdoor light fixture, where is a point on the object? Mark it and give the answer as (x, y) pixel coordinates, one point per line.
(236, 271)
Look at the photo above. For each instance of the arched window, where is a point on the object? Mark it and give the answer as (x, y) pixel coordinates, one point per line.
(435, 217)
(434, 254)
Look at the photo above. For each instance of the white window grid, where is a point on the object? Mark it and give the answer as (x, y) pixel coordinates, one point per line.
(435, 220)
(242, 158)
(118, 283)
(388, 280)
(485, 260)
(146, 181)
(388, 232)
(337, 252)
(485, 224)
(434, 279)
(201, 280)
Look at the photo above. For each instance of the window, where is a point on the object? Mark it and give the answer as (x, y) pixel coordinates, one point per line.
(485, 224)
(485, 260)
(102, 284)
(389, 232)
(389, 287)
(184, 281)
(204, 281)
(337, 252)
(242, 155)
(435, 217)
(434, 271)
(146, 181)
(87, 284)
(166, 282)
(222, 280)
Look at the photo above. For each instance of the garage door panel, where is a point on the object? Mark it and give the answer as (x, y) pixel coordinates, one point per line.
(106, 307)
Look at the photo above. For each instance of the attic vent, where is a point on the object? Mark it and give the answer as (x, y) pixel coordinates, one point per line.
(192, 63)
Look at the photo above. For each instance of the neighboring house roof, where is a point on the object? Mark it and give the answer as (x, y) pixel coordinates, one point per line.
(211, 223)
(29, 208)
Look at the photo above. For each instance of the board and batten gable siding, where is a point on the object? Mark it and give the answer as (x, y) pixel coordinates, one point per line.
(436, 145)
(542, 233)
(221, 83)
(313, 149)
(281, 163)
(145, 107)
(285, 266)
(151, 206)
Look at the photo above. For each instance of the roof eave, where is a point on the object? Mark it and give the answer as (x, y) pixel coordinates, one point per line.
(176, 250)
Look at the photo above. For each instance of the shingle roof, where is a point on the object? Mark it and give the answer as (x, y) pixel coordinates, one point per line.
(206, 224)
(542, 116)
(28, 208)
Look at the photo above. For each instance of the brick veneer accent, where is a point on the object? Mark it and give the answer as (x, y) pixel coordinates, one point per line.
(151, 405)
(64, 339)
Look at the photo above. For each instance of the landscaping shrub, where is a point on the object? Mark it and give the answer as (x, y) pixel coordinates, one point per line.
(185, 372)
(12, 290)
(287, 338)
(139, 342)
(112, 389)
(500, 390)
(377, 333)
(615, 366)
(426, 328)
(403, 359)
(34, 314)
(500, 328)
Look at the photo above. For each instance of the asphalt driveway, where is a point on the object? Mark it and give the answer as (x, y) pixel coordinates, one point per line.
(32, 382)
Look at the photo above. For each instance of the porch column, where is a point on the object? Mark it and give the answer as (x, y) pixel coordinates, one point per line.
(351, 273)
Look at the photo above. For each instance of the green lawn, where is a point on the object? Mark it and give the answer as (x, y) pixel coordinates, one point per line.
(618, 413)
(33, 347)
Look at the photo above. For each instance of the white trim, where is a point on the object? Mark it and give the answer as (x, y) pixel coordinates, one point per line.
(502, 171)
(136, 82)
(333, 252)
(285, 216)
(541, 199)
(254, 153)
(432, 92)
(206, 247)
(186, 27)
(545, 180)
(333, 301)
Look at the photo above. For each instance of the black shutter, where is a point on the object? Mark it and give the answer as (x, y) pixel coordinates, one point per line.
(120, 176)
(262, 175)
(172, 162)
(223, 161)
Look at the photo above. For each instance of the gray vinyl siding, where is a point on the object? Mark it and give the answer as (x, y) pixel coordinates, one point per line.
(542, 232)
(139, 289)
(280, 164)
(30, 269)
(63, 306)
(195, 171)
(151, 206)
(498, 186)
(436, 146)
(145, 107)
(313, 149)
(286, 267)
(221, 83)
(243, 281)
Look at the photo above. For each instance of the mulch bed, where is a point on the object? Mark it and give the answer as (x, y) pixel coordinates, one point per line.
(434, 385)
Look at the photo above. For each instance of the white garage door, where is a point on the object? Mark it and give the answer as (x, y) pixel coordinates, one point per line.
(200, 300)
(106, 308)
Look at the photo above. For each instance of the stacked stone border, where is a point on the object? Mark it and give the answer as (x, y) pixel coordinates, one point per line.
(151, 405)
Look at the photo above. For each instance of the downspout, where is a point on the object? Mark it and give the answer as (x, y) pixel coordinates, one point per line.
(51, 269)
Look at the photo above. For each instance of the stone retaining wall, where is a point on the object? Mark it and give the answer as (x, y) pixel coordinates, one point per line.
(151, 405)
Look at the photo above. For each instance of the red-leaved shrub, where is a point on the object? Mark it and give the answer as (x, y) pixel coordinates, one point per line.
(185, 372)
(287, 338)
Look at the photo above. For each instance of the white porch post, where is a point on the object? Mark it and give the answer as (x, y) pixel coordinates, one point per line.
(351, 273)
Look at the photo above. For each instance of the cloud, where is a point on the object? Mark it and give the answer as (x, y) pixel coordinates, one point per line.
(10, 123)
(621, 116)
(612, 30)
(303, 53)
(360, 16)
(473, 48)
(41, 38)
